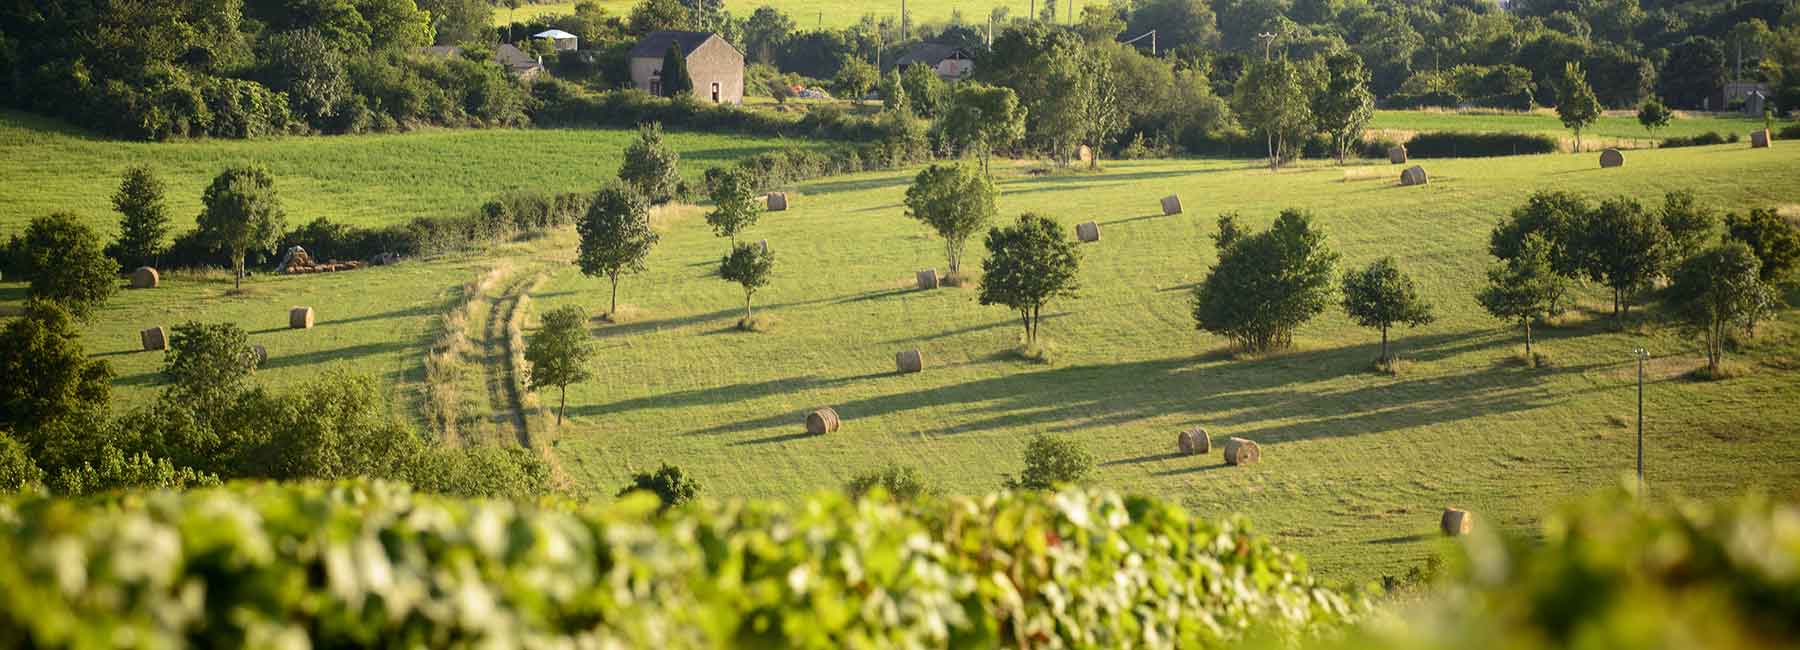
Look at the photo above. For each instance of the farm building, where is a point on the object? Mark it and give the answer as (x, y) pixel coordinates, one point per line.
(561, 39)
(951, 63)
(716, 67)
(517, 63)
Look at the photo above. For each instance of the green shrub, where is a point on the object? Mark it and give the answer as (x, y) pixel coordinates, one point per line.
(376, 565)
(1050, 462)
(899, 482)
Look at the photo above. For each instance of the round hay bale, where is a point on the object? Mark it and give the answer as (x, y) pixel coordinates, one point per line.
(822, 421)
(909, 361)
(1397, 154)
(1611, 158)
(1171, 205)
(300, 318)
(1084, 154)
(1759, 139)
(1414, 175)
(1239, 451)
(259, 354)
(1457, 522)
(155, 338)
(778, 201)
(145, 278)
(928, 279)
(1088, 231)
(1194, 441)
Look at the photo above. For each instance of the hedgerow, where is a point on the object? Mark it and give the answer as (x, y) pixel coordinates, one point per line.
(376, 564)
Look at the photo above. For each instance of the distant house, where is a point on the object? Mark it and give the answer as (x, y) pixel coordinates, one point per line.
(561, 39)
(516, 62)
(1736, 92)
(716, 67)
(951, 63)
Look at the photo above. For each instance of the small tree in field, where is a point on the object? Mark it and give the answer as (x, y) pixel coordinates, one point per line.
(560, 353)
(1654, 115)
(1560, 219)
(615, 236)
(1272, 98)
(956, 202)
(143, 219)
(668, 483)
(651, 166)
(209, 365)
(1717, 290)
(1575, 101)
(1051, 461)
(1523, 287)
(1381, 297)
(48, 375)
(1345, 105)
(1267, 284)
(67, 264)
(749, 266)
(736, 203)
(982, 118)
(1029, 263)
(241, 213)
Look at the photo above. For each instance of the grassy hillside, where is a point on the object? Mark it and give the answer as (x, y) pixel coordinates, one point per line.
(1356, 465)
(808, 14)
(364, 180)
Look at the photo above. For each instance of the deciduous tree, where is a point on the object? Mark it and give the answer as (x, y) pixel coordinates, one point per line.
(736, 204)
(1345, 105)
(1051, 461)
(1774, 240)
(241, 213)
(956, 202)
(1029, 264)
(1272, 99)
(1266, 285)
(749, 266)
(1718, 290)
(983, 118)
(48, 375)
(559, 354)
(1624, 246)
(1381, 296)
(668, 483)
(1523, 287)
(616, 237)
(651, 166)
(1575, 101)
(67, 264)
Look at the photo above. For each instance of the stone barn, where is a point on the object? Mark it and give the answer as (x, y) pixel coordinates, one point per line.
(716, 67)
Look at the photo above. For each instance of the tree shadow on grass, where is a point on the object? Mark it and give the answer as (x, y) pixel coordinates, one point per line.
(278, 360)
(1237, 396)
(879, 182)
(769, 440)
(1148, 458)
(1403, 539)
(1196, 469)
(1127, 220)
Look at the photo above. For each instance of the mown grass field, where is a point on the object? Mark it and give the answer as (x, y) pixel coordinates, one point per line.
(809, 14)
(368, 180)
(1356, 465)
(1621, 125)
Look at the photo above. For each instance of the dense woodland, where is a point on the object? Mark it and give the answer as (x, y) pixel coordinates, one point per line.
(227, 68)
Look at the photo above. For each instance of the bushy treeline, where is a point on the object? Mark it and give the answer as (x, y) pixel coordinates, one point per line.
(213, 422)
(375, 564)
(244, 68)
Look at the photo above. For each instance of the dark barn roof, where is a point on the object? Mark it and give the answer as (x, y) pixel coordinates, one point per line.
(657, 43)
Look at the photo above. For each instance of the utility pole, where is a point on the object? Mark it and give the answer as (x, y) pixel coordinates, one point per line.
(1151, 34)
(1642, 356)
(1268, 39)
(903, 21)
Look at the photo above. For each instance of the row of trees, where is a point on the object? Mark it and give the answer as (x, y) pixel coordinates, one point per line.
(1721, 271)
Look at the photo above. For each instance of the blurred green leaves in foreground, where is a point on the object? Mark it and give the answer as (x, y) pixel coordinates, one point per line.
(374, 564)
(362, 564)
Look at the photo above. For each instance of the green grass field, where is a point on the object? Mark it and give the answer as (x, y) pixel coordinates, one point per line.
(1356, 465)
(1620, 125)
(368, 180)
(809, 14)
